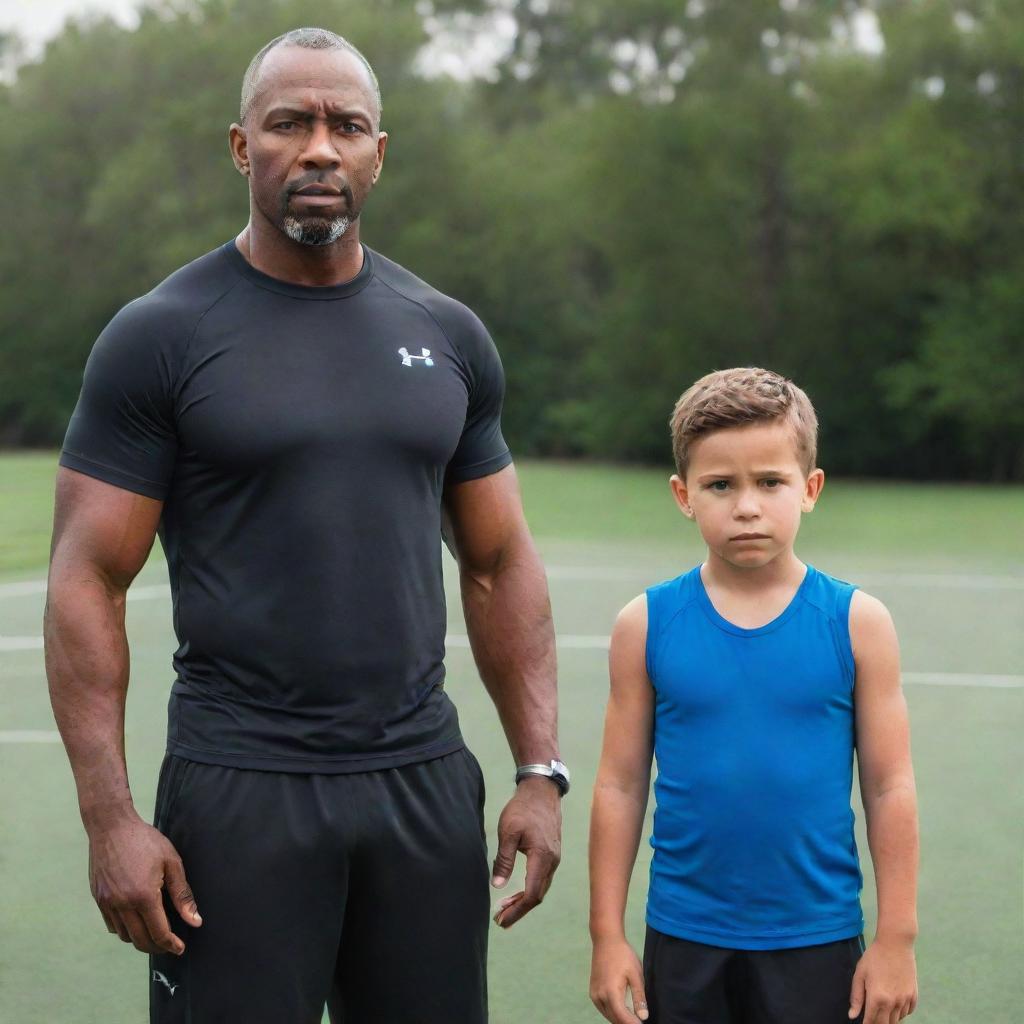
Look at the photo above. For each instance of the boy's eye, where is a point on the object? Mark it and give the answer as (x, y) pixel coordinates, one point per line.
(771, 482)
(719, 485)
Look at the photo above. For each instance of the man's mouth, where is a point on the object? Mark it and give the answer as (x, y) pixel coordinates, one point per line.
(318, 190)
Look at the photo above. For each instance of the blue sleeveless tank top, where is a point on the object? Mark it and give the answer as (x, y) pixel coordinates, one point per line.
(753, 735)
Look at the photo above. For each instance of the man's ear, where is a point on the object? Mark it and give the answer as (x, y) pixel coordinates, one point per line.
(239, 148)
(382, 144)
(681, 495)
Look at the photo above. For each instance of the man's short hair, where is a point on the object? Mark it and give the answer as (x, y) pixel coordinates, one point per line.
(308, 39)
(739, 397)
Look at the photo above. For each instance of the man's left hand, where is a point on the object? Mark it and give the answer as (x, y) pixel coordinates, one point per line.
(531, 822)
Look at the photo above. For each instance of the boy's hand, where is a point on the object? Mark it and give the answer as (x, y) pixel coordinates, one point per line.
(616, 968)
(885, 983)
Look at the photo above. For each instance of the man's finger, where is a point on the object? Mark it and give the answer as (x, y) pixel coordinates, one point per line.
(119, 926)
(180, 892)
(107, 920)
(508, 846)
(139, 933)
(155, 920)
(539, 869)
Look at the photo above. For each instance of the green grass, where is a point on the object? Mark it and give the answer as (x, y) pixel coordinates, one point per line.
(950, 524)
(58, 963)
(26, 510)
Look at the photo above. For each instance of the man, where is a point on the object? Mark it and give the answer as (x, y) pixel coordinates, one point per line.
(295, 415)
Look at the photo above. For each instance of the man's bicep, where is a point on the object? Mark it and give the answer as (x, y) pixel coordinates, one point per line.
(481, 517)
(101, 527)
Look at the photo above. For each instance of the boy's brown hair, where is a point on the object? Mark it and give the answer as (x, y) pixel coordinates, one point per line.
(736, 398)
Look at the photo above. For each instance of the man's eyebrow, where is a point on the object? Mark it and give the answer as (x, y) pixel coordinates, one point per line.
(302, 114)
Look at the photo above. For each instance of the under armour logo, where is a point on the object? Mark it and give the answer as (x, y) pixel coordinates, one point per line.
(157, 976)
(407, 359)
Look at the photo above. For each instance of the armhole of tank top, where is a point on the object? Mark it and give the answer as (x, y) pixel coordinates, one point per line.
(652, 633)
(844, 599)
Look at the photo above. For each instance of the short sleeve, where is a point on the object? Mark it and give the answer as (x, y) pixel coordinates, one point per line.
(482, 449)
(122, 430)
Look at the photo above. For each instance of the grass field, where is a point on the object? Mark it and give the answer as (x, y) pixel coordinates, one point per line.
(948, 561)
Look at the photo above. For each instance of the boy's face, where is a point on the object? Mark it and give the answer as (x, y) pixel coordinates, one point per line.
(746, 490)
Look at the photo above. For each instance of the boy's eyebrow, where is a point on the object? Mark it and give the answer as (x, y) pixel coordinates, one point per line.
(757, 472)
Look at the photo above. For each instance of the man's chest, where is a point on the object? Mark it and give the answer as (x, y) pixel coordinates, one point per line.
(254, 394)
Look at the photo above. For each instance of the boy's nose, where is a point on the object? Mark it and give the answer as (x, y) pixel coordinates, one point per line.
(747, 507)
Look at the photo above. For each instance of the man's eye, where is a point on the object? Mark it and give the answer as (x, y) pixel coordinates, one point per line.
(351, 128)
(286, 125)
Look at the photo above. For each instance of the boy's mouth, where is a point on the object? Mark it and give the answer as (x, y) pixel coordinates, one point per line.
(750, 536)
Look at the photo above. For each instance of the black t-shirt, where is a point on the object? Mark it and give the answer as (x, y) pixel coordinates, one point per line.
(299, 438)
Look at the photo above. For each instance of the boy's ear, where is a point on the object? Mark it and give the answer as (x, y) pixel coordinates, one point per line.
(681, 495)
(813, 487)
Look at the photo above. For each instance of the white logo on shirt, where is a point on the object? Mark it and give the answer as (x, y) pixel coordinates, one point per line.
(407, 359)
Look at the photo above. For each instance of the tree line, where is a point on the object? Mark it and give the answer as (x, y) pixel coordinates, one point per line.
(632, 195)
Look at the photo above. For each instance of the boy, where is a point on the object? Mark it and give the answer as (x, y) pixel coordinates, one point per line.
(751, 678)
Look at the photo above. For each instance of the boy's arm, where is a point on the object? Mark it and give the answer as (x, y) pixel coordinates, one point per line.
(617, 816)
(885, 983)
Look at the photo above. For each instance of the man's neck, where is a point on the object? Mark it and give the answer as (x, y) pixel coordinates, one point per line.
(276, 255)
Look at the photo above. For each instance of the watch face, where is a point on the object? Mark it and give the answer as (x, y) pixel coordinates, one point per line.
(561, 769)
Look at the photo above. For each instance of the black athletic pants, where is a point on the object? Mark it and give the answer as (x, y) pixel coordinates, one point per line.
(367, 892)
(691, 983)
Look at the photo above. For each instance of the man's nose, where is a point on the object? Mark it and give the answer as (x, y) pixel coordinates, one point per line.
(319, 150)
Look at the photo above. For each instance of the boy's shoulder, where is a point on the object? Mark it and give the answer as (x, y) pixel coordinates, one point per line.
(829, 594)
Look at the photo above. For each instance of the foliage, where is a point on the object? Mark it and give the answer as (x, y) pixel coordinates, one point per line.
(642, 193)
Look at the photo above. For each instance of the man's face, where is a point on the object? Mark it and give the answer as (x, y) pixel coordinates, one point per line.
(311, 142)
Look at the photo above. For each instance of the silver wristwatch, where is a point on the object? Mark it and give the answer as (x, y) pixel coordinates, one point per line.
(556, 771)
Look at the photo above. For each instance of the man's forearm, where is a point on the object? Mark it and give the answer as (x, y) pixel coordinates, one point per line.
(893, 838)
(87, 670)
(508, 616)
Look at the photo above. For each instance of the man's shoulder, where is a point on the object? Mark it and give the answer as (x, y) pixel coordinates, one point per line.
(455, 318)
(172, 308)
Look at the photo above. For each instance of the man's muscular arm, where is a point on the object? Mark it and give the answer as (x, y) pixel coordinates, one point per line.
(101, 538)
(508, 616)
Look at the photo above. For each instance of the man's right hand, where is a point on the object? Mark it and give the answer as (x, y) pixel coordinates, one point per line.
(130, 864)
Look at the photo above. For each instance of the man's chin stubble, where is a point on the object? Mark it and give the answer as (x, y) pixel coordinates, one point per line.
(316, 231)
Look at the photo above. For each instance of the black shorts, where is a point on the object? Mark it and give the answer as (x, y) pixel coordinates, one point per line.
(367, 892)
(690, 983)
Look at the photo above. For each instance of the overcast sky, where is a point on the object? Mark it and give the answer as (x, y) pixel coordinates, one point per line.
(37, 20)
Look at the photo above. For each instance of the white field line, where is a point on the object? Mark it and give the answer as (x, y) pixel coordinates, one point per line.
(584, 573)
(952, 581)
(29, 736)
(593, 642)
(21, 643)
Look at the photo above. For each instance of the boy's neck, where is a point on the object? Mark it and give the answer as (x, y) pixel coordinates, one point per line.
(784, 570)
